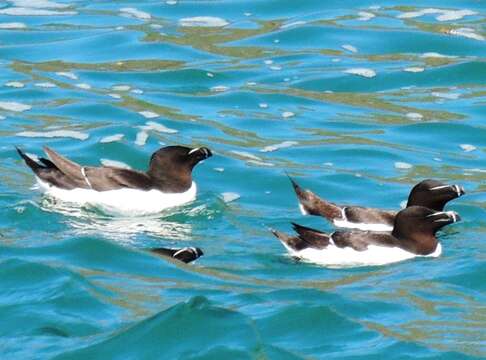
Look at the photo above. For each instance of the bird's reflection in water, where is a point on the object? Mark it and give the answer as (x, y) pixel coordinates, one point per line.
(92, 221)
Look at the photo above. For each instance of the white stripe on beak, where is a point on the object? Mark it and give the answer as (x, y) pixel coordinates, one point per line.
(457, 189)
(450, 215)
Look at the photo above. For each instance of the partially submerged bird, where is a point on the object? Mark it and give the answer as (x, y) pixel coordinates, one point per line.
(429, 193)
(167, 182)
(413, 235)
(187, 254)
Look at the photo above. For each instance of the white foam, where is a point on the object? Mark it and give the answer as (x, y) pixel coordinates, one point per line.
(45, 85)
(442, 14)
(276, 147)
(414, 116)
(437, 55)
(84, 86)
(138, 14)
(467, 147)
(263, 105)
(448, 15)
(114, 163)
(219, 169)
(208, 74)
(414, 69)
(121, 87)
(115, 96)
(219, 88)
(13, 25)
(246, 155)
(149, 114)
(287, 114)
(14, 84)
(403, 165)
(14, 106)
(467, 33)
(260, 163)
(23, 11)
(373, 255)
(141, 139)
(137, 91)
(38, 4)
(414, 14)
(171, 2)
(292, 24)
(368, 73)
(203, 21)
(230, 196)
(67, 74)
(151, 125)
(365, 16)
(275, 68)
(55, 134)
(112, 138)
(130, 202)
(350, 48)
(450, 96)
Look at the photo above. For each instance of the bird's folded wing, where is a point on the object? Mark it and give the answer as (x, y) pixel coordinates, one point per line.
(66, 166)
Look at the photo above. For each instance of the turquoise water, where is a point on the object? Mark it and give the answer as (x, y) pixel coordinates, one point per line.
(78, 284)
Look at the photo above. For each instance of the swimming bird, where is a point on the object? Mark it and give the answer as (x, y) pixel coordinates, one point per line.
(167, 182)
(429, 193)
(186, 254)
(413, 235)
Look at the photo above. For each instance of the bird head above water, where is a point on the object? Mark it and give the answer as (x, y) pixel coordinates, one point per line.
(434, 194)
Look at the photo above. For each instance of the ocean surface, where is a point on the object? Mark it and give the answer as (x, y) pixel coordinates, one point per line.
(357, 100)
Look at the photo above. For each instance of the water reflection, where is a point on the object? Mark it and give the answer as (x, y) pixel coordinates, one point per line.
(89, 220)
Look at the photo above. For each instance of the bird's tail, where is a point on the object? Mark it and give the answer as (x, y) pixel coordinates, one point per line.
(311, 204)
(35, 166)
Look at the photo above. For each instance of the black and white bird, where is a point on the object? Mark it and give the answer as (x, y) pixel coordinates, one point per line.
(429, 193)
(167, 182)
(187, 254)
(413, 235)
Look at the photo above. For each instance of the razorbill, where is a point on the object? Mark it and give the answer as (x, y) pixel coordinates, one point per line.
(167, 182)
(186, 254)
(413, 235)
(428, 193)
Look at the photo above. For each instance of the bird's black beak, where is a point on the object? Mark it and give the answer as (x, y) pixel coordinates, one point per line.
(445, 216)
(202, 152)
(459, 190)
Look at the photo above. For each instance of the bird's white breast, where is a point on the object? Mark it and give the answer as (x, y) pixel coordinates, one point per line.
(333, 256)
(125, 201)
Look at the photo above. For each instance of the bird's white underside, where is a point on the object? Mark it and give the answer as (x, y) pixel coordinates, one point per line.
(333, 256)
(131, 202)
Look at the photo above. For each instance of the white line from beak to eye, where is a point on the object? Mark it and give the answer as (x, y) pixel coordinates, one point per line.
(180, 251)
(194, 150)
(440, 187)
(436, 213)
